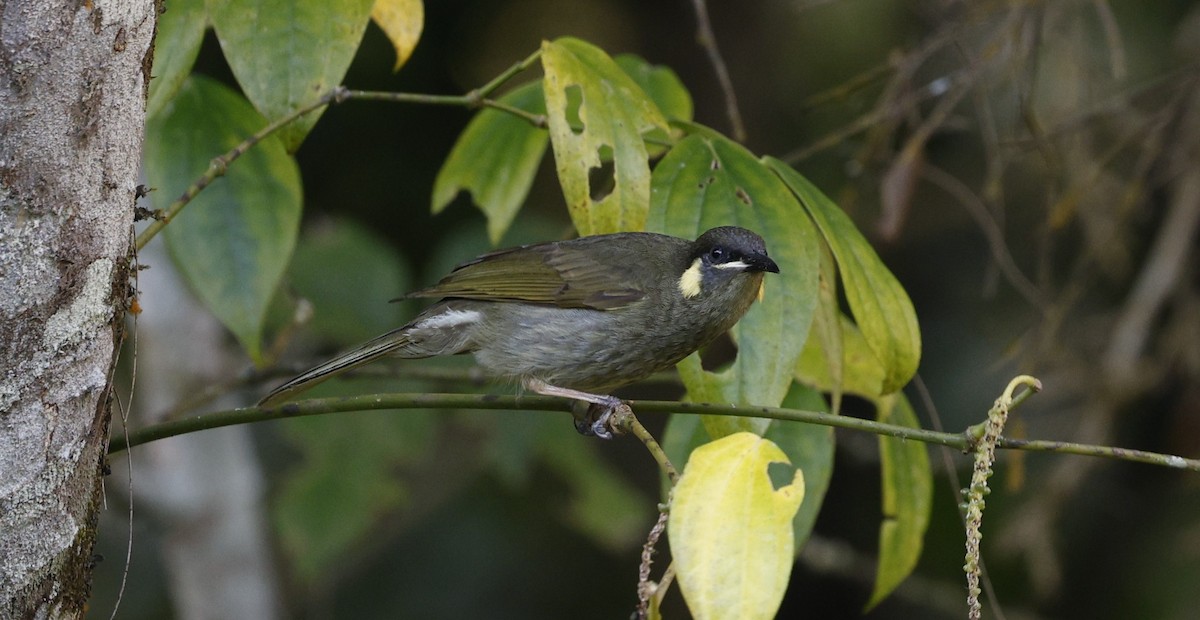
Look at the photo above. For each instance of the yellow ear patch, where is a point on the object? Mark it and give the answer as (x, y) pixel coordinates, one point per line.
(689, 282)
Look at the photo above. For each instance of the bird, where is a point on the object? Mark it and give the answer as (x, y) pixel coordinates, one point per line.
(576, 318)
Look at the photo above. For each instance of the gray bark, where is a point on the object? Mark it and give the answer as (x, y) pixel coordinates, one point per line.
(73, 75)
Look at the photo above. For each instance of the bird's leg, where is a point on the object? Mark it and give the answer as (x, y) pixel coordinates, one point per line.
(595, 421)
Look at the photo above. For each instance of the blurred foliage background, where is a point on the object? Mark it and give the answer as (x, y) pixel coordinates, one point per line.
(1029, 170)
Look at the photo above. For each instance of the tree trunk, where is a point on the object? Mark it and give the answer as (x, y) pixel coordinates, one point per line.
(73, 75)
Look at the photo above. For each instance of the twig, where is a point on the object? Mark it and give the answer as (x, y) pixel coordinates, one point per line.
(646, 589)
(1112, 36)
(706, 39)
(221, 163)
(962, 441)
(217, 167)
(627, 422)
(498, 81)
(870, 119)
(991, 231)
(469, 101)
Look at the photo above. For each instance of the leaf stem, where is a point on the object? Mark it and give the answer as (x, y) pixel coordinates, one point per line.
(487, 89)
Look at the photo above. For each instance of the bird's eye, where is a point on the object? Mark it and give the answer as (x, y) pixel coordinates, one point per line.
(716, 255)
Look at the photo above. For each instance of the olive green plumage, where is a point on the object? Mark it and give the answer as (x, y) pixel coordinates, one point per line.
(589, 314)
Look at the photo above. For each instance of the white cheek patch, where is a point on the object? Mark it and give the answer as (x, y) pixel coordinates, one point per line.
(733, 264)
(689, 282)
(449, 318)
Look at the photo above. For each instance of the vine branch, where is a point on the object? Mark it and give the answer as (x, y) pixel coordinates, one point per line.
(962, 441)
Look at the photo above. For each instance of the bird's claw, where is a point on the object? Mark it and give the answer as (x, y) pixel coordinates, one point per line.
(598, 419)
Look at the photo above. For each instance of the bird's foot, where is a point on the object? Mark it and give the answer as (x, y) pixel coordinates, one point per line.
(601, 419)
(602, 416)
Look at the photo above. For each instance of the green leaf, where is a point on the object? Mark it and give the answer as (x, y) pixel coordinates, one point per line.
(862, 372)
(349, 481)
(613, 114)
(664, 88)
(907, 498)
(730, 528)
(828, 329)
(233, 241)
(707, 181)
(286, 54)
(348, 310)
(810, 448)
(880, 306)
(495, 159)
(660, 83)
(176, 44)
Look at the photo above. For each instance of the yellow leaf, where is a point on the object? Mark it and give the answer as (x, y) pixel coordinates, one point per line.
(401, 21)
(731, 530)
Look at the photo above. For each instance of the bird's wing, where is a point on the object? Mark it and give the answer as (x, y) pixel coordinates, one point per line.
(564, 274)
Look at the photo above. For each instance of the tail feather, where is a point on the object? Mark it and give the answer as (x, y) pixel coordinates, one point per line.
(367, 352)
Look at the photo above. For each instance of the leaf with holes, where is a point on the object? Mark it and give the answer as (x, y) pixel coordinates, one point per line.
(286, 54)
(880, 306)
(907, 498)
(401, 21)
(598, 116)
(233, 241)
(495, 159)
(707, 181)
(730, 527)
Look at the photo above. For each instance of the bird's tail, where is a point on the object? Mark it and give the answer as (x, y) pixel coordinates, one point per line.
(394, 341)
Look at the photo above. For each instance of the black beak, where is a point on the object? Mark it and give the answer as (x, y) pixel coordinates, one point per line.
(762, 263)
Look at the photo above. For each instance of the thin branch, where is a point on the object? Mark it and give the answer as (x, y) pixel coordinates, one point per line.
(979, 212)
(1112, 36)
(962, 441)
(220, 164)
(706, 39)
(628, 422)
(646, 589)
(870, 119)
(217, 167)
(487, 89)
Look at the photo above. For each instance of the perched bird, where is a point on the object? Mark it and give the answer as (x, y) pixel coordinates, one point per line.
(577, 318)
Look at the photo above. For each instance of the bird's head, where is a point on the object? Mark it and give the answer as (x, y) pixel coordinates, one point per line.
(722, 258)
